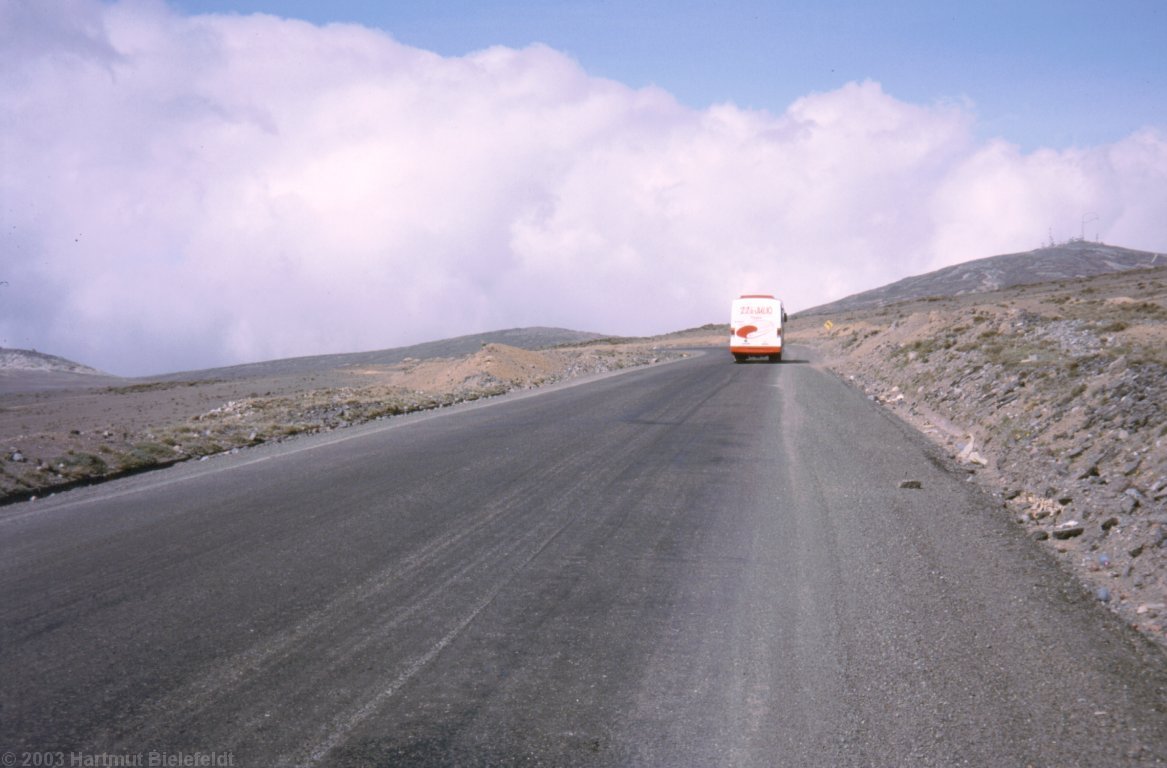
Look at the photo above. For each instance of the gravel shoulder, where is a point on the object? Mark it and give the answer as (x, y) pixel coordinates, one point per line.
(1053, 397)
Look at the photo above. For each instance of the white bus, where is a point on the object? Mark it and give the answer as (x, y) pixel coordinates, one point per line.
(755, 324)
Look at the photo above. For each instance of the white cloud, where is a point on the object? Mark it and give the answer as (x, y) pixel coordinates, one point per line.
(182, 192)
(997, 198)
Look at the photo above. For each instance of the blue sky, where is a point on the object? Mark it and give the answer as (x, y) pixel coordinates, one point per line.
(1040, 73)
(193, 183)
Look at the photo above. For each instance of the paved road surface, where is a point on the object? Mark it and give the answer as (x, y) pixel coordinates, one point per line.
(699, 564)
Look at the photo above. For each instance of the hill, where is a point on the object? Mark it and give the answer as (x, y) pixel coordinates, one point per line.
(520, 338)
(1075, 259)
(31, 360)
(29, 371)
(26, 370)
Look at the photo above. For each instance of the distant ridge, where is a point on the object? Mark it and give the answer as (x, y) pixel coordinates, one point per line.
(26, 370)
(1078, 258)
(524, 338)
(31, 360)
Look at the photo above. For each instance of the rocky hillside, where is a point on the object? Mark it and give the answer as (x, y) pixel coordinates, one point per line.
(1053, 395)
(1075, 259)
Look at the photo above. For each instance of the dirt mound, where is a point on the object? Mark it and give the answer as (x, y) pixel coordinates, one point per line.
(492, 367)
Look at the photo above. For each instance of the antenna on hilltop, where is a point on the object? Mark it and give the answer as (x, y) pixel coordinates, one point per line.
(1087, 217)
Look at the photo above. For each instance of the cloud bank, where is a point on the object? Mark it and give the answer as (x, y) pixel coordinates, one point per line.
(182, 192)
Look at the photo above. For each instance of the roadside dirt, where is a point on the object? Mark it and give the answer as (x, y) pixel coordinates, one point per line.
(54, 437)
(1054, 397)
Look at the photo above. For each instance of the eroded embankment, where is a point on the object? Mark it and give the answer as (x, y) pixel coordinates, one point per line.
(1054, 396)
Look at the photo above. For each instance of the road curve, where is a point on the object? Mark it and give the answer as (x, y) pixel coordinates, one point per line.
(696, 564)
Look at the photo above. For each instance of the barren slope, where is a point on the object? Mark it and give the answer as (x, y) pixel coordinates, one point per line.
(1064, 261)
(64, 431)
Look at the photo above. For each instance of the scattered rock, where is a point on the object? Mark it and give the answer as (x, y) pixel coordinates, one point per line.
(1137, 495)
(969, 454)
(1068, 530)
(1041, 508)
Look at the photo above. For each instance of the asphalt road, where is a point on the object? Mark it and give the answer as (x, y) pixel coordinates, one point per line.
(697, 564)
